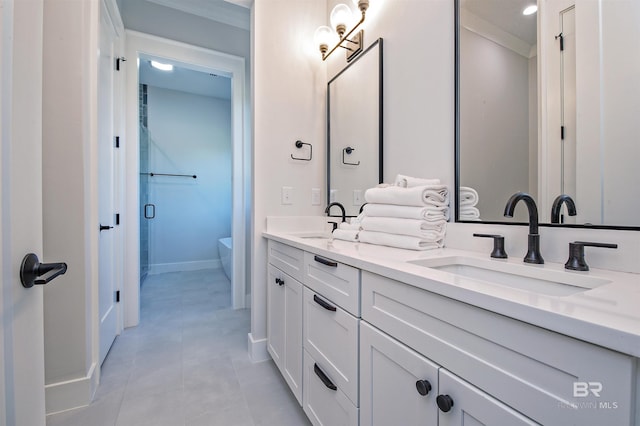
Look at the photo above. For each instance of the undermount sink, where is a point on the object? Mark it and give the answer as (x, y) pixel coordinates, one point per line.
(525, 277)
(313, 235)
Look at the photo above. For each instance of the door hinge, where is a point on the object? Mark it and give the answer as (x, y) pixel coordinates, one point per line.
(117, 296)
(117, 218)
(561, 37)
(118, 60)
(561, 132)
(117, 141)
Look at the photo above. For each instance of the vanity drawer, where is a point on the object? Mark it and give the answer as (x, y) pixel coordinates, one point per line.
(336, 281)
(289, 260)
(323, 401)
(331, 336)
(531, 369)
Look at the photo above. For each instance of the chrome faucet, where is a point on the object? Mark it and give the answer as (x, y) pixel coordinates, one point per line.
(344, 213)
(557, 206)
(533, 246)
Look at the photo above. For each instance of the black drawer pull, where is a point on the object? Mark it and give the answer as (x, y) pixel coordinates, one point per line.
(279, 282)
(327, 382)
(325, 261)
(324, 304)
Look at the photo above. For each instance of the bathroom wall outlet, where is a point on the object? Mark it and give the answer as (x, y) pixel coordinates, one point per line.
(287, 195)
(357, 197)
(315, 196)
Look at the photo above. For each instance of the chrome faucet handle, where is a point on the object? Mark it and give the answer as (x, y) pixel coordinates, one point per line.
(498, 245)
(576, 260)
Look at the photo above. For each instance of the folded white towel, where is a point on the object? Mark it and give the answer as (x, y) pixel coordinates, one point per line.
(468, 196)
(399, 241)
(354, 226)
(410, 182)
(437, 195)
(469, 213)
(428, 231)
(429, 213)
(346, 234)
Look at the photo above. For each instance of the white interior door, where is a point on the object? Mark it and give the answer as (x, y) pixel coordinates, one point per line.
(108, 284)
(561, 136)
(22, 400)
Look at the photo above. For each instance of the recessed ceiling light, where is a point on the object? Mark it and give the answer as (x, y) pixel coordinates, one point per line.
(161, 66)
(530, 10)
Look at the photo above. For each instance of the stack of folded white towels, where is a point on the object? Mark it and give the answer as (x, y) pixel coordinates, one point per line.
(412, 214)
(468, 201)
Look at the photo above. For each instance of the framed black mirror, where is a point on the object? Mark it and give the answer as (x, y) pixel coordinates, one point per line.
(354, 129)
(547, 103)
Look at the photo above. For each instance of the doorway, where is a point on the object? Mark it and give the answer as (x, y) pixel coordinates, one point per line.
(142, 47)
(185, 167)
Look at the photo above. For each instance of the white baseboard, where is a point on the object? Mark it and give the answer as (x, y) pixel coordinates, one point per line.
(161, 268)
(258, 349)
(71, 394)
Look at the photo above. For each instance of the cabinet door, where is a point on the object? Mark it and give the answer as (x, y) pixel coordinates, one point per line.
(395, 382)
(463, 404)
(284, 327)
(275, 316)
(292, 366)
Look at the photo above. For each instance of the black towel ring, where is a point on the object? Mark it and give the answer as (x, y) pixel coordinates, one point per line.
(348, 150)
(298, 145)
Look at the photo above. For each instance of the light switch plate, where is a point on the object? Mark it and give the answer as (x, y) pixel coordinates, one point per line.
(357, 197)
(315, 196)
(287, 195)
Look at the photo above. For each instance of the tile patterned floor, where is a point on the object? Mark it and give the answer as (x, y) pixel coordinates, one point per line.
(186, 364)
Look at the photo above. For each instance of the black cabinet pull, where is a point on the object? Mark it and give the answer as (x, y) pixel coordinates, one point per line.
(445, 403)
(325, 261)
(279, 282)
(324, 304)
(423, 387)
(105, 227)
(327, 382)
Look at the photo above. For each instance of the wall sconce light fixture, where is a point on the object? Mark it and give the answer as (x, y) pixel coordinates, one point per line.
(341, 18)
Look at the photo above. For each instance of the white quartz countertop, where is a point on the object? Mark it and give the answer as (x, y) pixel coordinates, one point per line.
(608, 315)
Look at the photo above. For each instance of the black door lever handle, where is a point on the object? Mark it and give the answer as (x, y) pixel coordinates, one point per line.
(33, 272)
(105, 228)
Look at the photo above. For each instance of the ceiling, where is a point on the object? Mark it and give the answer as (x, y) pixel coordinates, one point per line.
(231, 12)
(184, 79)
(506, 15)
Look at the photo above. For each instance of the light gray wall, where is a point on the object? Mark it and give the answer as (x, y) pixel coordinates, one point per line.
(494, 115)
(289, 102)
(161, 21)
(190, 134)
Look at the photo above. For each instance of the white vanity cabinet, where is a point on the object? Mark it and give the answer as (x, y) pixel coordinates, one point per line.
(313, 306)
(360, 348)
(331, 333)
(400, 386)
(284, 313)
(494, 367)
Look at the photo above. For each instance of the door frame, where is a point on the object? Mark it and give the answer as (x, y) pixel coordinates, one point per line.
(234, 67)
(22, 379)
